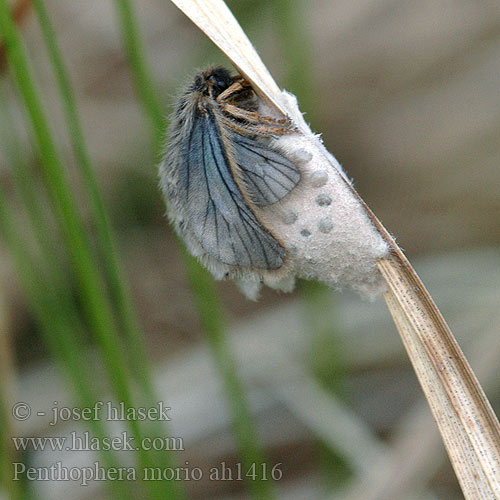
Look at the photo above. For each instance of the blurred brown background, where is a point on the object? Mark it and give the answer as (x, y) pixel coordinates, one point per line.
(406, 95)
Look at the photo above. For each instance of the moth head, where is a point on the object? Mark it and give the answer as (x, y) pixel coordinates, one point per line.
(213, 81)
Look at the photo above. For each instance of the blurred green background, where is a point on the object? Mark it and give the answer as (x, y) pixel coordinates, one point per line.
(98, 301)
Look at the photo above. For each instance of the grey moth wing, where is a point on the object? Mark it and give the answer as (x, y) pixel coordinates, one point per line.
(268, 176)
(222, 221)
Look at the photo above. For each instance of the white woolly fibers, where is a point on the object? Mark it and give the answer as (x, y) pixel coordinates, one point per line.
(321, 223)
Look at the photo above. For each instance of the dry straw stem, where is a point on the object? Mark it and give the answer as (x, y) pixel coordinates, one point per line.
(468, 425)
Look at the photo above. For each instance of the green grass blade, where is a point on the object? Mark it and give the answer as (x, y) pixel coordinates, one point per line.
(134, 343)
(59, 190)
(290, 21)
(56, 311)
(94, 299)
(202, 287)
(7, 456)
(8, 486)
(54, 314)
(140, 70)
(252, 456)
(105, 237)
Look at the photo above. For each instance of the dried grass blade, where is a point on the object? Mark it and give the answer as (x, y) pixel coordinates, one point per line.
(215, 19)
(469, 428)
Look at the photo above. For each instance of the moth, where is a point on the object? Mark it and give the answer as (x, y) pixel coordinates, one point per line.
(223, 164)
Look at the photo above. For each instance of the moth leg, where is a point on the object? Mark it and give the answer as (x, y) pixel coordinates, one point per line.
(233, 90)
(249, 116)
(242, 129)
(256, 122)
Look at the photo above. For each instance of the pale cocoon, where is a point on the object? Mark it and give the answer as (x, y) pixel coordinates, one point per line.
(322, 223)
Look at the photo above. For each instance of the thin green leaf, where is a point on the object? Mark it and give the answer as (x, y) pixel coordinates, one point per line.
(202, 286)
(105, 237)
(94, 298)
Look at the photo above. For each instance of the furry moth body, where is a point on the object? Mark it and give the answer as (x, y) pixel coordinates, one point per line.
(259, 199)
(221, 165)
